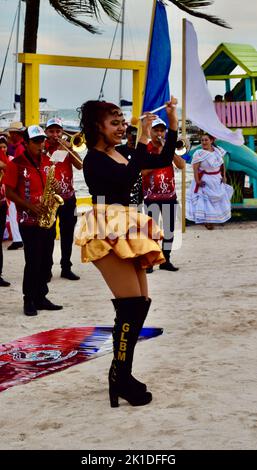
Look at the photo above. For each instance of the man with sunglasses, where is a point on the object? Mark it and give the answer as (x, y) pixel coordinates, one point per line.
(25, 180)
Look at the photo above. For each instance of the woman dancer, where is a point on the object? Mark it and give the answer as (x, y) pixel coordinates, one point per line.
(208, 200)
(120, 241)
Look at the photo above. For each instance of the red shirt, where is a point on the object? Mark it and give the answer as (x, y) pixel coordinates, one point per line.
(5, 159)
(15, 150)
(63, 173)
(28, 182)
(159, 184)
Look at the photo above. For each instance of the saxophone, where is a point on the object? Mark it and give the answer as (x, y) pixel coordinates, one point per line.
(51, 201)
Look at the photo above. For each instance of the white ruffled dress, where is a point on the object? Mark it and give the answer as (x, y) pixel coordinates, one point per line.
(211, 202)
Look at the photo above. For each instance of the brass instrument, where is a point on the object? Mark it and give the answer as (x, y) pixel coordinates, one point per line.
(182, 147)
(77, 141)
(51, 201)
(78, 145)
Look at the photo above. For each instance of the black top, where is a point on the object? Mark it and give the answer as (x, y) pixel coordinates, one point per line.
(126, 151)
(112, 180)
(136, 192)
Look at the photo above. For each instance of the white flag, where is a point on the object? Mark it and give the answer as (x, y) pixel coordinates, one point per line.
(199, 105)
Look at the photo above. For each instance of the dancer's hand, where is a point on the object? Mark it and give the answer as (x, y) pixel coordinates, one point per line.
(146, 127)
(171, 110)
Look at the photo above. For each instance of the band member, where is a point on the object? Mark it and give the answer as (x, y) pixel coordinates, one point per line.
(15, 139)
(128, 151)
(3, 203)
(66, 213)
(15, 148)
(121, 255)
(25, 180)
(159, 188)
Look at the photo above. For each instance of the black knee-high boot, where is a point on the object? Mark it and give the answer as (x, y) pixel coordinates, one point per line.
(130, 315)
(141, 319)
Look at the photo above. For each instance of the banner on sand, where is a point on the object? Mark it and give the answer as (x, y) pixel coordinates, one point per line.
(44, 353)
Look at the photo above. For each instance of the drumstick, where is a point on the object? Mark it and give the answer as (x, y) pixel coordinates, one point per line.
(135, 120)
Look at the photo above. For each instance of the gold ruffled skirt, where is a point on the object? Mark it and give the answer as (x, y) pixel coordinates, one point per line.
(121, 229)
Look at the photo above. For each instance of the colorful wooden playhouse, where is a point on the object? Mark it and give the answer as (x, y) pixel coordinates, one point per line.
(230, 63)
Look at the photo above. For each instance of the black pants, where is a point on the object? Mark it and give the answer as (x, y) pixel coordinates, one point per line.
(167, 209)
(3, 212)
(68, 221)
(37, 243)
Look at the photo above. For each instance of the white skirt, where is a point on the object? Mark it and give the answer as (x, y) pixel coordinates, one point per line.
(211, 203)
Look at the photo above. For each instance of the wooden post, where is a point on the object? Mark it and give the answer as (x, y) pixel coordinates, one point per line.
(253, 89)
(32, 93)
(138, 87)
(183, 195)
(33, 61)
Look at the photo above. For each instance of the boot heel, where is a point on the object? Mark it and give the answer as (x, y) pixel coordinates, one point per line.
(114, 398)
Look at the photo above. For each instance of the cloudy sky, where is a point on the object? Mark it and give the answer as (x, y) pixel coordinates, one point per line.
(69, 87)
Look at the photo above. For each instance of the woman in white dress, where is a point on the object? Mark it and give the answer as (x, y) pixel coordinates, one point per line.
(208, 200)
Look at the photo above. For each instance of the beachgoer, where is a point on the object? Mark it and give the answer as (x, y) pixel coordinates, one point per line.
(120, 241)
(229, 96)
(128, 151)
(159, 188)
(208, 199)
(3, 203)
(66, 212)
(25, 180)
(218, 99)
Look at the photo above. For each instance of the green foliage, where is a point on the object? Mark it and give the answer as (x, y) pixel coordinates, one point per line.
(238, 189)
(190, 7)
(73, 10)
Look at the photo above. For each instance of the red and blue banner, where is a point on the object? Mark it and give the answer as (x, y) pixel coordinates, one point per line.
(157, 90)
(44, 353)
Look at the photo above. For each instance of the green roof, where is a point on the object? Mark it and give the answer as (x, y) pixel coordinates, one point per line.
(228, 56)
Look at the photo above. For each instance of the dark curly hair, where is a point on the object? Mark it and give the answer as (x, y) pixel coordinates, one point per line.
(3, 139)
(92, 113)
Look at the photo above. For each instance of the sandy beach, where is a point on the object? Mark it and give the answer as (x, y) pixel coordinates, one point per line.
(202, 371)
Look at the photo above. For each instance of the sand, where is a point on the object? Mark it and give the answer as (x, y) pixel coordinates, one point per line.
(202, 371)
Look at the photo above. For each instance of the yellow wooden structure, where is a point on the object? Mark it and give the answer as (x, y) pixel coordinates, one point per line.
(32, 85)
(32, 77)
(82, 202)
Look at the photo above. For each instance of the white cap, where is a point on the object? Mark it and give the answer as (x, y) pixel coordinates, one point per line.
(35, 131)
(159, 122)
(54, 122)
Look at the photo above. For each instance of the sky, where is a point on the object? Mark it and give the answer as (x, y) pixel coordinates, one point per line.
(70, 87)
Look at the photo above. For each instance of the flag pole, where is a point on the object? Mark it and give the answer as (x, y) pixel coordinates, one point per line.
(147, 62)
(148, 50)
(183, 198)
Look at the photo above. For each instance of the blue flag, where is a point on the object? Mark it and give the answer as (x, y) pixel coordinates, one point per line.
(157, 90)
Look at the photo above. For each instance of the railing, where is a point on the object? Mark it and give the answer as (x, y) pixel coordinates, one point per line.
(238, 113)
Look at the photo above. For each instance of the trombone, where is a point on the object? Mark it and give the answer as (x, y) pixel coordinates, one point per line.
(77, 142)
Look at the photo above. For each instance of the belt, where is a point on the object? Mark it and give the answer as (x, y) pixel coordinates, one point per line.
(201, 173)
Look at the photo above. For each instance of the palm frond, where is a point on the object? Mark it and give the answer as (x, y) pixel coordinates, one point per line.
(190, 7)
(72, 9)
